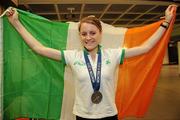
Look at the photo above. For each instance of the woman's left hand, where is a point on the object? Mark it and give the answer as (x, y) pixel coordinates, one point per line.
(170, 12)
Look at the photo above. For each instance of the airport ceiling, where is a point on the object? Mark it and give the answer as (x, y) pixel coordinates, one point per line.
(128, 13)
(125, 13)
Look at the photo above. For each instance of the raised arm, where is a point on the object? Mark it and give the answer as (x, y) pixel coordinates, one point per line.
(150, 43)
(33, 43)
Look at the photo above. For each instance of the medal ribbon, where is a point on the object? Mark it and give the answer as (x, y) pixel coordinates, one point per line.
(94, 81)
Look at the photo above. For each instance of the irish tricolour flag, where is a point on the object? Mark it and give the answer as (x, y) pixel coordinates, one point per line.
(33, 86)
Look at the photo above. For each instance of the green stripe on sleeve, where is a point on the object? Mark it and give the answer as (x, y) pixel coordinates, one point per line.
(62, 57)
(122, 56)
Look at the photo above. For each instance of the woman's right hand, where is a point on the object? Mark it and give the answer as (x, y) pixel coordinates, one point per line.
(12, 15)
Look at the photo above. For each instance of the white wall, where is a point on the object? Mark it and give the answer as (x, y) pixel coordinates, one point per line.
(166, 58)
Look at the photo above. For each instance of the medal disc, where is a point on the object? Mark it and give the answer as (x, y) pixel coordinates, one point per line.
(96, 97)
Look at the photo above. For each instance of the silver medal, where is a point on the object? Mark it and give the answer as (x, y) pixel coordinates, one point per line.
(96, 97)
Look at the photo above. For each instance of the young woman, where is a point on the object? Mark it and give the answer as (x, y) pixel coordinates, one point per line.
(94, 87)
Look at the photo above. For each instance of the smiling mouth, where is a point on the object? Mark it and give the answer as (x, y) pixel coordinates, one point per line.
(89, 42)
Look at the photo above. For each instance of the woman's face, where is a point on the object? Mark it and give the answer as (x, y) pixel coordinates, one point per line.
(90, 36)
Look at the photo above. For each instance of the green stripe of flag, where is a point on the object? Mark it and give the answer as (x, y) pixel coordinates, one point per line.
(33, 85)
(1, 69)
